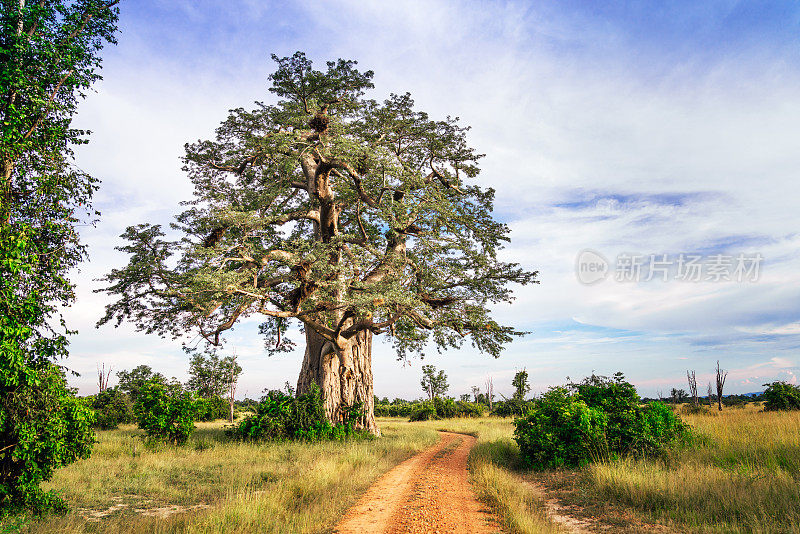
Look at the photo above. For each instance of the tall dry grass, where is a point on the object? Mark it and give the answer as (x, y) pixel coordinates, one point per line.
(741, 475)
(272, 487)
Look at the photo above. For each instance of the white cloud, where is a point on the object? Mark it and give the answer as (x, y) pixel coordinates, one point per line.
(579, 146)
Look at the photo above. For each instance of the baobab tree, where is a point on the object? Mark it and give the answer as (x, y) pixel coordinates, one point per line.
(351, 216)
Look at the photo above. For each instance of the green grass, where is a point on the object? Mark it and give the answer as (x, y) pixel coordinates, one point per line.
(274, 487)
(742, 476)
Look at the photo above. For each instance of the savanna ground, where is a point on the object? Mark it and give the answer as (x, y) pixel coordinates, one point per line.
(741, 474)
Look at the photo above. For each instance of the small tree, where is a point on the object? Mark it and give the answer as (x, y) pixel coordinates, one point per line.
(131, 382)
(721, 376)
(521, 385)
(476, 391)
(781, 396)
(433, 383)
(210, 375)
(111, 407)
(166, 412)
(678, 396)
(693, 388)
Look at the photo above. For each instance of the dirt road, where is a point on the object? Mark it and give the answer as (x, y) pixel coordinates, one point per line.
(429, 493)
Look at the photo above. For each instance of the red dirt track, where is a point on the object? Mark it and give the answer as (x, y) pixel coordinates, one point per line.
(429, 493)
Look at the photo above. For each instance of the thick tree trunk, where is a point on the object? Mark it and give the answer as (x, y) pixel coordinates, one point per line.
(343, 376)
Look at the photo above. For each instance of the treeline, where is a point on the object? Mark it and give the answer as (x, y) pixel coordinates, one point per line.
(167, 409)
(212, 378)
(473, 404)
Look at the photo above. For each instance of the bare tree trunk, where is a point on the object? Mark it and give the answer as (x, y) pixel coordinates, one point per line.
(490, 392)
(232, 388)
(102, 377)
(343, 376)
(693, 388)
(721, 376)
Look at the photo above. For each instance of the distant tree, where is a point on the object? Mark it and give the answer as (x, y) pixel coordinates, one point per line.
(233, 381)
(721, 376)
(678, 395)
(521, 385)
(131, 382)
(710, 393)
(465, 397)
(693, 387)
(781, 396)
(210, 375)
(490, 392)
(433, 383)
(475, 392)
(102, 377)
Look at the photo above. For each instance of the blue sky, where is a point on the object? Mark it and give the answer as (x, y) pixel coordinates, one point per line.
(629, 127)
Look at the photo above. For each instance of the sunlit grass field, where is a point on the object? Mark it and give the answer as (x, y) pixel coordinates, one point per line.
(221, 486)
(741, 474)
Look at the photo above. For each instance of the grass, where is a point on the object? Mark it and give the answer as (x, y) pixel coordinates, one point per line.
(274, 487)
(743, 475)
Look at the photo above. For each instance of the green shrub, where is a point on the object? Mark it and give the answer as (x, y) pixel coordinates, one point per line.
(282, 417)
(424, 411)
(619, 401)
(394, 409)
(595, 418)
(43, 426)
(213, 408)
(440, 408)
(112, 408)
(781, 396)
(512, 407)
(166, 412)
(561, 431)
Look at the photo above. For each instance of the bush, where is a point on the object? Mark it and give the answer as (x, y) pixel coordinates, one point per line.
(213, 408)
(394, 409)
(444, 409)
(781, 396)
(43, 426)
(595, 418)
(166, 412)
(424, 411)
(282, 417)
(112, 408)
(512, 407)
(561, 431)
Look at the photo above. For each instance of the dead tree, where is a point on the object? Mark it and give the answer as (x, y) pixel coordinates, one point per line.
(489, 391)
(102, 377)
(693, 388)
(721, 376)
(710, 393)
(232, 381)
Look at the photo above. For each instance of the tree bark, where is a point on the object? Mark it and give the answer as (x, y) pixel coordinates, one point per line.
(344, 376)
